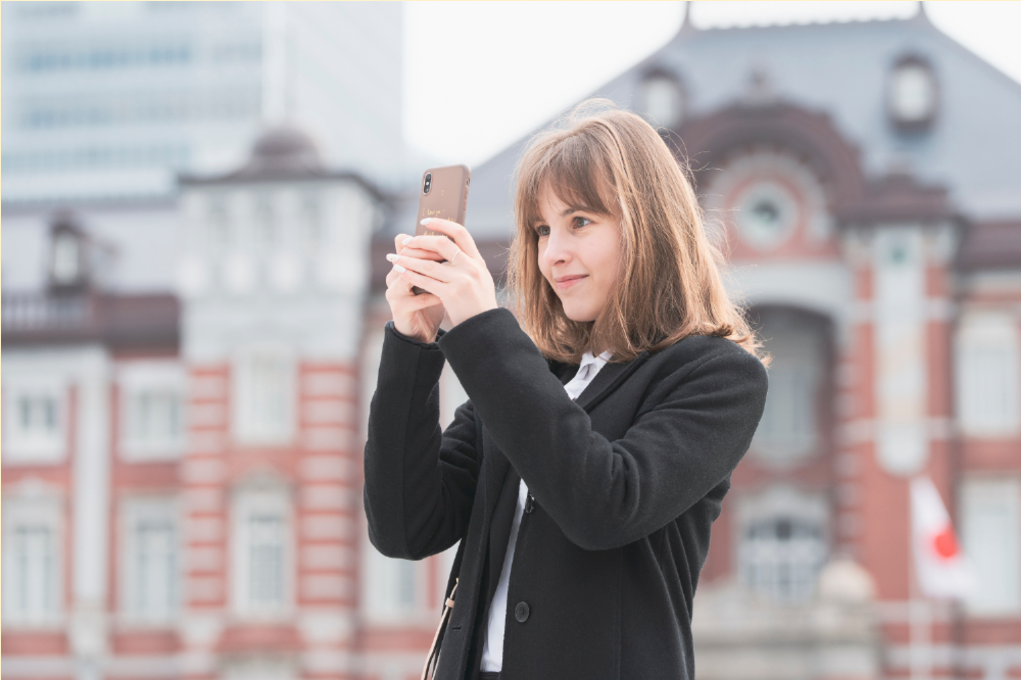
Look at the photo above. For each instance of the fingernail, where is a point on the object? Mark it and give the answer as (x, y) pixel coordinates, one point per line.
(406, 241)
(400, 268)
(427, 220)
(392, 257)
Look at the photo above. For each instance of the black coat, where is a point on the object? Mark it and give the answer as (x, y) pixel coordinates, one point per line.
(627, 481)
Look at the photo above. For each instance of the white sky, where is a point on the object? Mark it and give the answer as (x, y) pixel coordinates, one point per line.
(480, 75)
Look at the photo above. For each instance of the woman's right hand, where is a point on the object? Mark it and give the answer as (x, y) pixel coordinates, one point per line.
(416, 316)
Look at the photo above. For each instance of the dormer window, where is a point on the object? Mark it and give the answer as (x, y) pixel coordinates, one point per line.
(66, 264)
(662, 99)
(912, 94)
(71, 255)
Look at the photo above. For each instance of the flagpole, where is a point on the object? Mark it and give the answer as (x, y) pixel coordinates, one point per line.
(919, 622)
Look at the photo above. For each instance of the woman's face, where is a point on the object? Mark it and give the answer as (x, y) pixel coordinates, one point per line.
(579, 254)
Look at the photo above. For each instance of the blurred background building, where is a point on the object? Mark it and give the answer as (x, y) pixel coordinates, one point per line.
(192, 339)
(108, 101)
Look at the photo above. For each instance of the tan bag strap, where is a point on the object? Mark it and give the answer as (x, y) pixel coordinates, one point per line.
(434, 650)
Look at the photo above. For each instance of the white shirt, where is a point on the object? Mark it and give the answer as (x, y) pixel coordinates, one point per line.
(492, 654)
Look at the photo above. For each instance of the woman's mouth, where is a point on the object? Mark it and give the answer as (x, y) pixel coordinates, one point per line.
(565, 282)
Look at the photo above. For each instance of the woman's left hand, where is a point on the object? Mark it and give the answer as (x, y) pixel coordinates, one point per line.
(463, 283)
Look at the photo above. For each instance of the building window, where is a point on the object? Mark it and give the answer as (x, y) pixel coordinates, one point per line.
(151, 559)
(989, 375)
(781, 557)
(34, 567)
(35, 433)
(991, 533)
(311, 224)
(264, 396)
(66, 258)
(266, 235)
(218, 227)
(152, 407)
(157, 417)
(31, 560)
(662, 99)
(393, 587)
(262, 552)
(790, 429)
(265, 561)
(912, 93)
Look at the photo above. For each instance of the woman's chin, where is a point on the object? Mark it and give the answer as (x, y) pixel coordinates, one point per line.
(579, 315)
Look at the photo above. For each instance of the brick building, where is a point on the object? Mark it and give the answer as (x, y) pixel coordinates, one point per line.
(181, 456)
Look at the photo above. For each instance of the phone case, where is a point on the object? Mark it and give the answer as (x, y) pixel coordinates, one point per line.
(447, 198)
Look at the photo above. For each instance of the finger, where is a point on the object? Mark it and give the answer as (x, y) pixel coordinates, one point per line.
(426, 283)
(428, 268)
(457, 232)
(436, 246)
(419, 302)
(424, 253)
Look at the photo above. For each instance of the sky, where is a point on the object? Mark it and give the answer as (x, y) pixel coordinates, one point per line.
(506, 68)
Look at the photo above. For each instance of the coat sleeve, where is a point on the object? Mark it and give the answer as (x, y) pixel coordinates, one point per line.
(419, 481)
(687, 437)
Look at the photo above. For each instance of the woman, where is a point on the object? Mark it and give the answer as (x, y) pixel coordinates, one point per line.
(583, 474)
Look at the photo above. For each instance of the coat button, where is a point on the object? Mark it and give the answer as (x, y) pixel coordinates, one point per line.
(529, 504)
(521, 612)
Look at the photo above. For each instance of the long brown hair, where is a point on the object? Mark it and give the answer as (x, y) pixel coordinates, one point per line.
(669, 284)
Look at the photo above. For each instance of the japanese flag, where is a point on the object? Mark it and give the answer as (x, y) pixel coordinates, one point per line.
(942, 570)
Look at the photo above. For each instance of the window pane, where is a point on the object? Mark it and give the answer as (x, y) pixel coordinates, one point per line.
(268, 394)
(156, 564)
(789, 429)
(781, 558)
(991, 533)
(35, 571)
(266, 560)
(157, 416)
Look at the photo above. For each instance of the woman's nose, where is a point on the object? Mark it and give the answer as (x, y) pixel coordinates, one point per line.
(557, 250)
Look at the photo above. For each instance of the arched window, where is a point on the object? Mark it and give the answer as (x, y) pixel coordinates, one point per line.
(792, 422)
(781, 557)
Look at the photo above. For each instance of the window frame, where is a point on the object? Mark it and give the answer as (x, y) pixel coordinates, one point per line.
(133, 510)
(978, 330)
(895, 115)
(34, 507)
(778, 502)
(271, 499)
(21, 447)
(135, 379)
(669, 79)
(246, 428)
(983, 488)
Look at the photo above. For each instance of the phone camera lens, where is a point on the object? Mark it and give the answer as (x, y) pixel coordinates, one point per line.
(428, 183)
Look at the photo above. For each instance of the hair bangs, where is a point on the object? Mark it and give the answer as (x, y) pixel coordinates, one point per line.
(574, 172)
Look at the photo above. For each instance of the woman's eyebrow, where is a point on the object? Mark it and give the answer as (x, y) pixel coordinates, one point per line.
(576, 208)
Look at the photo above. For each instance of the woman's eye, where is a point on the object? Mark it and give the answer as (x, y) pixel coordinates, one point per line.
(581, 221)
(542, 230)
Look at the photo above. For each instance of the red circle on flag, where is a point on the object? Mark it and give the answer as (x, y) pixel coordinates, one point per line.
(945, 543)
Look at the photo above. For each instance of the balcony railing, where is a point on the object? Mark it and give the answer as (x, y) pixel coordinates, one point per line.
(39, 312)
(125, 320)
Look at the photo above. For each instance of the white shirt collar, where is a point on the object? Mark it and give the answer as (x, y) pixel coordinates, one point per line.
(599, 361)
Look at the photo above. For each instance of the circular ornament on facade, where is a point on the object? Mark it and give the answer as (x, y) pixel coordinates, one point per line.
(767, 214)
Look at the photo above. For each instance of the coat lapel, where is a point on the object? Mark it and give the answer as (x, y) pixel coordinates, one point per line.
(607, 380)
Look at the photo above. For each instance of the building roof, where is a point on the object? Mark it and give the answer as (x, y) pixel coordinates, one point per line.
(282, 153)
(841, 70)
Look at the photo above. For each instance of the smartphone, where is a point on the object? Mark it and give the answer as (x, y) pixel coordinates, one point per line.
(443, 193)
